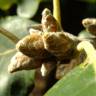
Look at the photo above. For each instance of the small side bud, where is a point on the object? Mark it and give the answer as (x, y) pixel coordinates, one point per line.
(90, 25)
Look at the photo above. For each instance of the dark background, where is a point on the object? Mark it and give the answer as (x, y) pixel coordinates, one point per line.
(72, 13)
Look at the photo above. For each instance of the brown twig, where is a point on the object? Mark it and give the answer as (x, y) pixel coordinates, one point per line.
(9, 35)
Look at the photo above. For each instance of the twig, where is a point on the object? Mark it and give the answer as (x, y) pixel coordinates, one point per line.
(9, 35)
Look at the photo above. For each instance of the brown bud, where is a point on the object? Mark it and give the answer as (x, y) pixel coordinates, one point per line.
(90, 25)
(92, 29)
(32, 45)
(59, 44)
(22, 62)
(63, 67)
(49, 23)
(88, 21)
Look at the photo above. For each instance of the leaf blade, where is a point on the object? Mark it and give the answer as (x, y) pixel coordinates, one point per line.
(79, 82)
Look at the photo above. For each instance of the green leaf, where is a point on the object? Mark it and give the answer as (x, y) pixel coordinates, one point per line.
(15, 84)
(6, 4)
(5, 43)
(16, 25)
(81, 81)
(27, 8)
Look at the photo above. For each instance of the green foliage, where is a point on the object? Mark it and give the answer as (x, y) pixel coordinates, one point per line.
(15, 84)
(5, 44)
(25, 8)
(6, 4)
(79, 82)
(13, 24)
(82, 80)
(28, 8)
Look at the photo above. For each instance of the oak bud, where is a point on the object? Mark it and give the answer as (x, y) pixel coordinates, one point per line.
(22, 62)
(49, 23)
(90, 25)
(59, 44)
(32, 46)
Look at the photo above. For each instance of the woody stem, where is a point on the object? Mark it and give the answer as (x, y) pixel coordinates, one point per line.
(9, 35)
